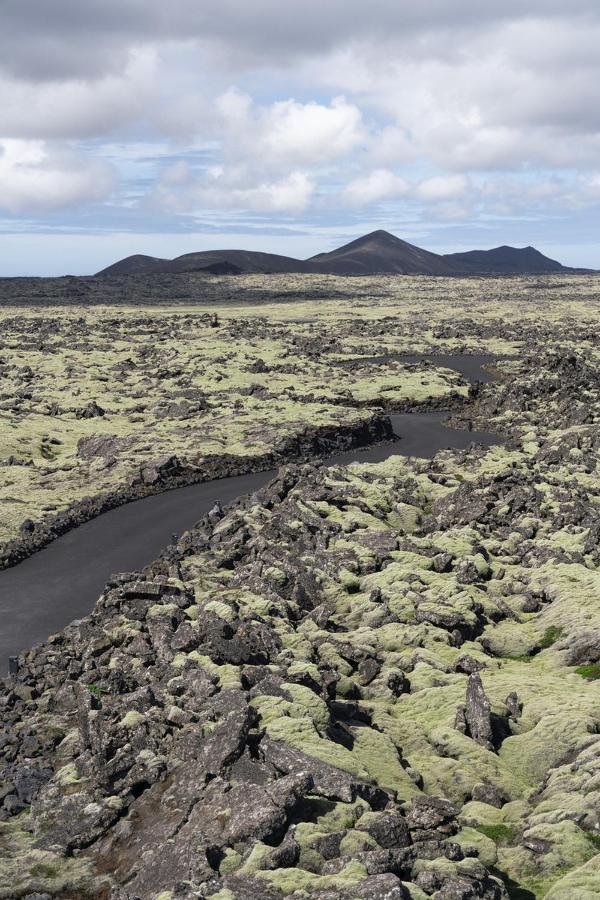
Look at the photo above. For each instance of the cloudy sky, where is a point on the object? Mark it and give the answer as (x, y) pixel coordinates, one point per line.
(164, 127)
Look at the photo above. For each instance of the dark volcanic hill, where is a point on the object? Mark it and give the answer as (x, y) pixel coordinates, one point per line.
(505, 260)
(215, 262)
(381, 253)
(377, 253)
(139, 264)
(247, 261)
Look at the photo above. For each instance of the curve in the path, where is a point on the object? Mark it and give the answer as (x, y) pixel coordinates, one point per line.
(469, 365)
(62, 582)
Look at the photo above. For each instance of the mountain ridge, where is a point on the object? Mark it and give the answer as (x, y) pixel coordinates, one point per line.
(506, 258)
(376, 253)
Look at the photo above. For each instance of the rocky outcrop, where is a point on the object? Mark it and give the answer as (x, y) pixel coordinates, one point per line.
(258, 711)
(181, 728)
(476, 719)
(361, 682)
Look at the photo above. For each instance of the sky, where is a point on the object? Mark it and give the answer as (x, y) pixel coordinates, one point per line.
(139, 126)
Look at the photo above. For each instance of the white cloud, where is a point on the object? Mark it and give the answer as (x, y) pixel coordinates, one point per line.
(310, 133)
(79, 109)
(337, 102)
(234, 107)
(34, 178)
(593, 184)
(392, 145)
(381, 184)
(512, 92)
(290, 194)
(548, 196)
(63, 39)
(289, 133)
(442, 187)
(220, 188)
(272, 155)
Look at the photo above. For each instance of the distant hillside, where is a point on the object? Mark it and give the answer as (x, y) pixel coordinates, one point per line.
(214, 262)
(245, 260)
(506, 261)
(380, 253)
(377, 253)
(135, 265)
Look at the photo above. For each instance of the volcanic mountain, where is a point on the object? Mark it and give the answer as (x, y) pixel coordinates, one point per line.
(505, 261)
(377, 253)
(380, 253)
(138, 264)
(212, 262)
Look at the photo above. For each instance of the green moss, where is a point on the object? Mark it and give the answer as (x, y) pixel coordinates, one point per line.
(470, 838)
(500, 833)
(290, 880)
(594, 840)
(337, 816)
(355, 842)
(551, 636)
(590, 672)
(24, 869)
(220, 609)
(302, 734)
(96, 690)
(311, 704)
(378, 755)
(581, 884)
(415, 892)
(68, 775)
(44, 870)
(161, 609)
(132, 719)
(229, 675)
(568, 849)
(230, 862)
(512, 639)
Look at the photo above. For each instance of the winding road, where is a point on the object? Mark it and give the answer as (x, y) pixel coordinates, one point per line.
(62, 582)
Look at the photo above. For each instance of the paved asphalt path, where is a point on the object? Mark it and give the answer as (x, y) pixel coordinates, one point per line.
(61, 582)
